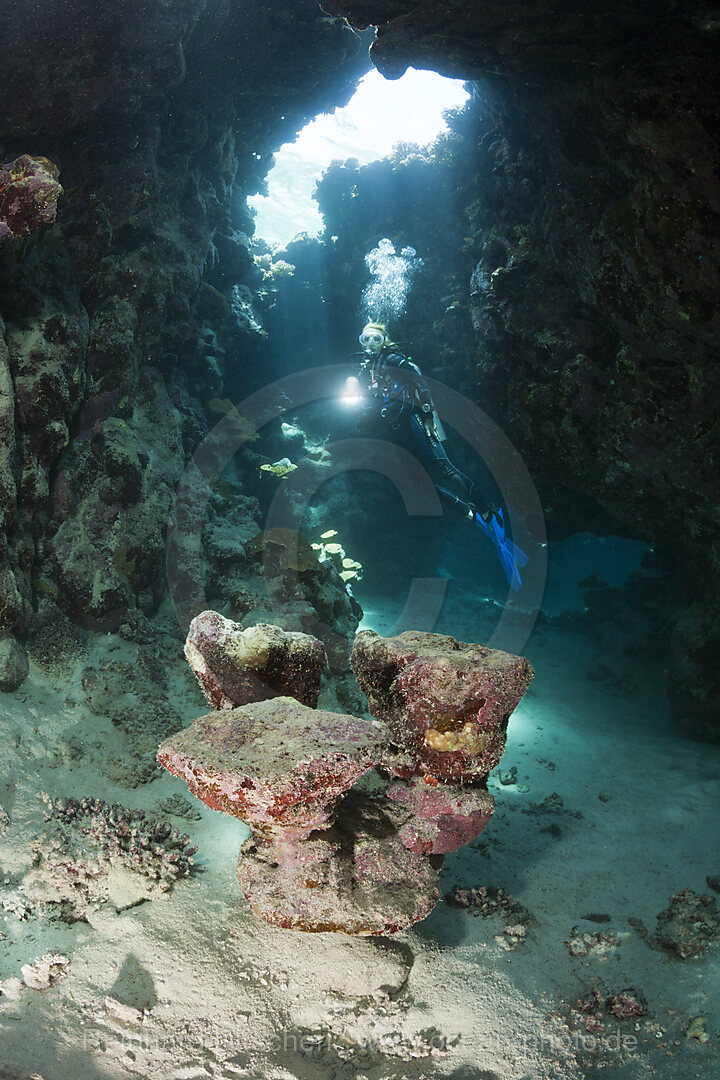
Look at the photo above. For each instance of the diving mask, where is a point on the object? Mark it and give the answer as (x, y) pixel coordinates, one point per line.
(373, 337)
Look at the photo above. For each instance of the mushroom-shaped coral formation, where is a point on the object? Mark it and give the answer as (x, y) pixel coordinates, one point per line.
(323, 857)
(446, 703)
(236, 666)
(283, 768)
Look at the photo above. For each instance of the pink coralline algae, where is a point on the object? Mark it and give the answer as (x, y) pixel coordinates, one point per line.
(441, 818)
(325, 855)
(274, 763)
(283, 767)
(446, 703)
(29, 192)
(357, 878)
(236, 666)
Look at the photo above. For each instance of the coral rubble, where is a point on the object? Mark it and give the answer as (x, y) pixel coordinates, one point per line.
(689, 925)
(594, 1009)
(95, 853)
(487, 901)
(42, 973)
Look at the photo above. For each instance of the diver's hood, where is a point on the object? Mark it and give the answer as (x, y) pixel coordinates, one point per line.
(373, 337)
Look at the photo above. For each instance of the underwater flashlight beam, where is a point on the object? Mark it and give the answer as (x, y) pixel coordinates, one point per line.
(351, 392)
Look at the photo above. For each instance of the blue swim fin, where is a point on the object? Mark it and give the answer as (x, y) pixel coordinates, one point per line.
(510, 555)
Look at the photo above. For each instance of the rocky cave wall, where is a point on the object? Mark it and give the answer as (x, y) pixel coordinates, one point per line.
(118, 325)
(577, 298)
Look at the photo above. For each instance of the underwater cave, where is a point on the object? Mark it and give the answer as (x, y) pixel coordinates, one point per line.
(387, 529)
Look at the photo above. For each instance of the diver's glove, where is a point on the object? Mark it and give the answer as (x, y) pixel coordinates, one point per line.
(510, 555)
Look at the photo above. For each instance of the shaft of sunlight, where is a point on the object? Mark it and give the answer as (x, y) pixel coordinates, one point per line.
(379, 115)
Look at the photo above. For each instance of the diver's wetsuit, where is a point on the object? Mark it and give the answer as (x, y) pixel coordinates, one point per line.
(399, 384)
(395, 380)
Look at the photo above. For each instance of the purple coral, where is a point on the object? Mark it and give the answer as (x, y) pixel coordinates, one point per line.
(29, 192)
(441, 817)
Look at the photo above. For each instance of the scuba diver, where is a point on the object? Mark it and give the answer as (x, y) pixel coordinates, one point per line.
(391, 377)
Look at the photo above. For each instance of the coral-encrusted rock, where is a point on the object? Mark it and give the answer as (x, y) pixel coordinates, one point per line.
(276, 764)
(106, 554)
(689, 925)
(29, 191)
(113, 363)
(322, 857)
(446, 703)
(236, 666)
(369, 884)
(14, 666)
(443, 816)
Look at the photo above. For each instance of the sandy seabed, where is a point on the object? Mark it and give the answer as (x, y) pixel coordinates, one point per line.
(612, 811)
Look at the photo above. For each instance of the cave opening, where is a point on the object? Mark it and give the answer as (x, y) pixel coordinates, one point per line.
(350, 169)
(382, 120)
(379, 115)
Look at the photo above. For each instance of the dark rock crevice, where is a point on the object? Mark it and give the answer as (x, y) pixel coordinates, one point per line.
(155, 114)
